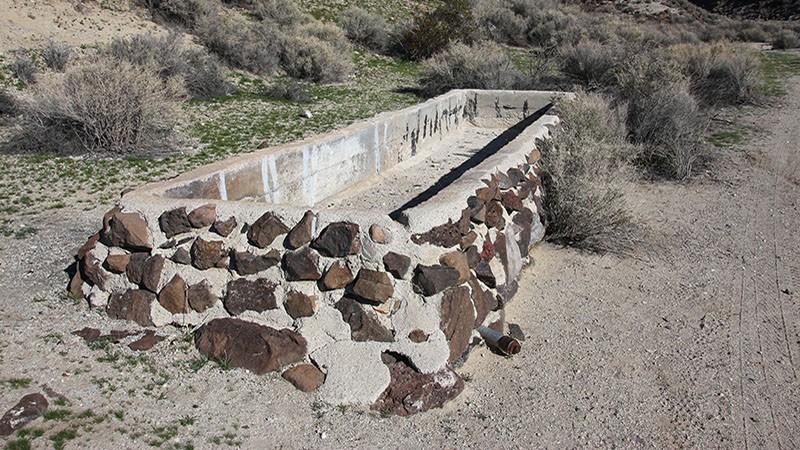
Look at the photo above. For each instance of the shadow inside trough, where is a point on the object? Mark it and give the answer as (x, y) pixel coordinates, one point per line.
(490, 149)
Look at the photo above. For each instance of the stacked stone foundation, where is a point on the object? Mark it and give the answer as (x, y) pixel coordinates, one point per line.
(354, 305)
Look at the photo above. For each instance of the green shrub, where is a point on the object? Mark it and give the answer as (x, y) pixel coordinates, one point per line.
(786, 39)
(203, 75)
(365, 29)
(482, 66)
(431, 33)
(24, 68)
(105, 107)
(56, 55)
(583, 163)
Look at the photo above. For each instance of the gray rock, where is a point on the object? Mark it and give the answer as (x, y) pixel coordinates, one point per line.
(363, 325)
(174, 222)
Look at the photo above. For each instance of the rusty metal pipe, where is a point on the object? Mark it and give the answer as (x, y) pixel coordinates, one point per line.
(505, 344)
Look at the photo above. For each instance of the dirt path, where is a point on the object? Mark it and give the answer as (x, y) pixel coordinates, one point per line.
(695, 342)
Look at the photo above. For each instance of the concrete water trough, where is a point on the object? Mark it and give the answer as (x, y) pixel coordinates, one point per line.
(362, 255)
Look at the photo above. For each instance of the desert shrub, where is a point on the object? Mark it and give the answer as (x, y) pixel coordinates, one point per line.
(482, 66)
(786, 39)
(8, 104)
(365, 29)
(289, 90)
(307, 57)
(583, 163)
(668, 125)
(589, 63)
(431, 33)
(499, 22)
(548, 26)
(56, 55)
(752, 33)
(202, 74)
(721, 74)
(328, 33)
(107, 107)
(644, 72)
(282, 12)
(255, 47)
(24, 68)
(186, 13)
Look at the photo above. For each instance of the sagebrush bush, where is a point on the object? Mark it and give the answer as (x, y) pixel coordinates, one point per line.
(589, 63)
(203, 75)
(431, 33)
(106, 107)
(668, 125)
(786, 39)
(482, 66)
(721, 74)
(365, 29)
(24, 68)
(498, 21)
(56, 55)
(289, 90)
(547, 25)
(583, 164)
(255, 47)
(182, 12)
(282, 12)
(8, 104)
(307, 57)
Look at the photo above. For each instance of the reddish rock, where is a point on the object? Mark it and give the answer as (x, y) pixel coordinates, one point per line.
(417, 336)
(446, 235)
(301, 234)
(301, 265)
(255, 347)
(379, 235)
(473, 256)
(173, 296)
(135, 267)
(30, 407)
(304, 377)
(118, 263)
(511, 202)
(457, 321)
(337, 276)
(75, 287)
(132, 305)
(494, 215)
(534, 156)
(89, 245)
(203, 216)
(373, 286)
(127, 230)
(487, 252)
(486, 194)
(151, 272)
(364, 326)
(410, 392)
(88, 334)
(182, 256)
(396, 264)
(298, 304)
(484, 273)
(338, 239)
(468, 239)
(199, 296)
(207, 254)
(146, 342)
(245, 295)
(484, 301)
(430, 280)
(246, 263)
(174, 222)
(224, 227)
(457, 260)
(264, 231)
(464, 225)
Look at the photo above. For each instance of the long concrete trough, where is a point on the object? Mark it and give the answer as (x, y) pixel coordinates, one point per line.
(371, 252)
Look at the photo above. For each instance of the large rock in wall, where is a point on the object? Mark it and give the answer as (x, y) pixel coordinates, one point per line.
(277, 288)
